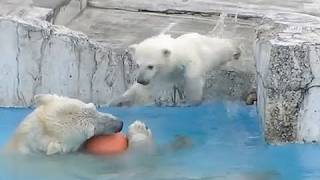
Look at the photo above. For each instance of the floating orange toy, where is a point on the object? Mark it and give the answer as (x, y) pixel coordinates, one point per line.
(107, 144)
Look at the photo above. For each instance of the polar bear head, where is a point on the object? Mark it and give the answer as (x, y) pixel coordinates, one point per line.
(153, 57)
(74, 115)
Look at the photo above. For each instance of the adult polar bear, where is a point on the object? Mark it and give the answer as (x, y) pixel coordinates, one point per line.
(60, 125)
(165, 61)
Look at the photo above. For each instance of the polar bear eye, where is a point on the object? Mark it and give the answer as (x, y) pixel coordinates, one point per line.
(150, 67)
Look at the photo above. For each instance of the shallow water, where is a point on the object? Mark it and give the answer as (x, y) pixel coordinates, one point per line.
(223, 142)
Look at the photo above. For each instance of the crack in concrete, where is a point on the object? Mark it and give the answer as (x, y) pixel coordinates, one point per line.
(123, 69)
(78, 56)
(183, 12)
(19, 95)
(93, 73)
(109, 79)
(38, 78)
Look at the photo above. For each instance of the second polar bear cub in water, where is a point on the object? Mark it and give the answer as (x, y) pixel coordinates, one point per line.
(165, 61)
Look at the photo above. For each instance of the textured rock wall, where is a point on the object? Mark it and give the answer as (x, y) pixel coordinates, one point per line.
(210, 7)
(68, 11)
(63, 11)
(26, 11)
(37, 57)
(287, 62)
(309, 119)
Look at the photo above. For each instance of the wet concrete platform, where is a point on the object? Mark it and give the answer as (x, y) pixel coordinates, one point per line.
(121, 28)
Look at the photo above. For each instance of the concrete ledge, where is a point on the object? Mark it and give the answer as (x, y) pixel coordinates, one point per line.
(26, 11)
(309, 114)
(37, 57)
(64, 10)
(59, 12)
(244, 8)
(285, 57)
(66, 13)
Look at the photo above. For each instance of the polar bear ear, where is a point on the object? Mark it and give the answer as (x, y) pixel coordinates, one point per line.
(132, 48)
(42, 99)
(166, 52)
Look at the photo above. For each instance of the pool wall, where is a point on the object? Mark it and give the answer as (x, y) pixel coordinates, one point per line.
(288, 80)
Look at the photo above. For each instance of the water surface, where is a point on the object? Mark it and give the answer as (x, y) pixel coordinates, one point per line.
(221, 140)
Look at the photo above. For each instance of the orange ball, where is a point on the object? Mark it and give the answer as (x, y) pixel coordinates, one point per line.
(107, 144)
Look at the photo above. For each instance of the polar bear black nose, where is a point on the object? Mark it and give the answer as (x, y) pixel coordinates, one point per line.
(141, 79)
(120, 127)
(143, 82)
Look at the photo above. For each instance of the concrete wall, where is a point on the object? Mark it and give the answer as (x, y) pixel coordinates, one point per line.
(55, 11)
(24, 9)
(287, 59)
(38, 57)
(256, 8)
(67, 12)
(64, 10)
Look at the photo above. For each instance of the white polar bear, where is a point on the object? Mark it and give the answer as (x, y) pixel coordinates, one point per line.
(60, 125)
(166, 62)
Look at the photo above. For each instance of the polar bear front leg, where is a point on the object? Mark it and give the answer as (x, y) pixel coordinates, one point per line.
(137, 94)
(194, 89)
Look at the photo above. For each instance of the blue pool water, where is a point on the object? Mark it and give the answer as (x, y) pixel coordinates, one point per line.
(224, 141)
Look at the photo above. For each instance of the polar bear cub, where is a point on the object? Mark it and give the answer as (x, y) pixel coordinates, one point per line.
(165, 61)
(60, 125)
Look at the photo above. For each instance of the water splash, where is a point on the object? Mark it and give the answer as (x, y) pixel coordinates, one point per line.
(236, 14)
(168, 28)
(218, 29)
(237, 25)
(236, 17)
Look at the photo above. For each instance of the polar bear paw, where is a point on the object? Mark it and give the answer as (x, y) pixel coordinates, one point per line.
(140, 137)
(138, 128)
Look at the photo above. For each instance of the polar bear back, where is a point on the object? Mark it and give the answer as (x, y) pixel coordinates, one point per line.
(202, 52)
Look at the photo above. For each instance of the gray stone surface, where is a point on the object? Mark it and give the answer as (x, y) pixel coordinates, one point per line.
(284, 69)
(64, 10)
(228, 84)
(309, 119)
(57, 11)
(242, 7)
(69, 10)
(50, 3)
(37, 57)
(25, 10)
